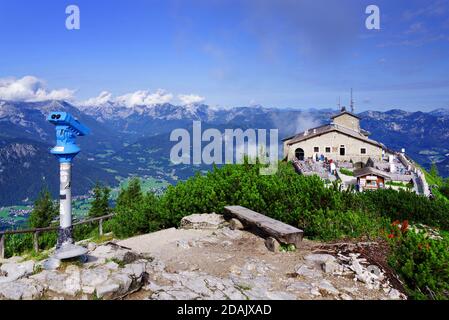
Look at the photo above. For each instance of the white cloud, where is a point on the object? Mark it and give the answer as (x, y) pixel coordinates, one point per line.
(30, 89)
(191, 99)
(103, 98)
(143, 97)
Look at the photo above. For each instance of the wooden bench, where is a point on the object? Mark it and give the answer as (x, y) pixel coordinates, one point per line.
(282, 232)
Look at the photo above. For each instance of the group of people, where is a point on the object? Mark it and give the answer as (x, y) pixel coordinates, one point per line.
(328, 164)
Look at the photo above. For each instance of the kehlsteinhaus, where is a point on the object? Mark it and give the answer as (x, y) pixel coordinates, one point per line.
(341, 140)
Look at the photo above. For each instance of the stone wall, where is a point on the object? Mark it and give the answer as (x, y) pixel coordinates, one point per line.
(334, 140)
(347, 121)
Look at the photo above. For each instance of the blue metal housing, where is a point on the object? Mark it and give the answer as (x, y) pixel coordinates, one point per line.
(67, 129)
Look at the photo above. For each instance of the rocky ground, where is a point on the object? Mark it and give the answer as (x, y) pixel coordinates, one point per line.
(208, 260)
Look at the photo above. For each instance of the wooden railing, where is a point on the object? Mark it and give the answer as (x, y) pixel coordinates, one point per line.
(36, 232)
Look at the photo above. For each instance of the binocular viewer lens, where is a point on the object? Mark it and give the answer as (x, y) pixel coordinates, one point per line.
(56, 116)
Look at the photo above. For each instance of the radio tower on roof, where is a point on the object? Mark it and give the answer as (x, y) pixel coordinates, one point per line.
(352, 103)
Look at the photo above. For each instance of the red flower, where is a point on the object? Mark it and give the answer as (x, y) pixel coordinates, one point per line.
(390, 236)
(404, 226)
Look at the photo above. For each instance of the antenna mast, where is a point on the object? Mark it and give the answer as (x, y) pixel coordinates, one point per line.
(352, 103)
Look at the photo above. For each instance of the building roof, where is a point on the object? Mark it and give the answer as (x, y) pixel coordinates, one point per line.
(366, 133)
(346, 112)
(318, 131)
(371, 171)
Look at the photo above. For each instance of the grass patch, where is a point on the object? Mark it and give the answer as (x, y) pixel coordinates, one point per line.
(102, 239)
(36, 256)
(396, 184)
(346, 172)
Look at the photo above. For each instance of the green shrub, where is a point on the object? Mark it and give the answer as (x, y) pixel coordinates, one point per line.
(44, 211)
(403, 205)
(15, 244)
(100, 203)
(48, 240)
(283, 196)
(444, 190)
(135, 213)
(85, 231)
(423, 264)
(330, 225)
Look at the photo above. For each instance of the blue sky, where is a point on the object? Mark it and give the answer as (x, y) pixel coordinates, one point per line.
(284, 53)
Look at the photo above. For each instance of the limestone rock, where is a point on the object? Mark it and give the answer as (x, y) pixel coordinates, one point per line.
(51, 264)
(203, 221)
(90, 278)
(91, 246)
(231, 234)
(315, 292)
(307, 272)
(135, 270)
(299, 286)
(236, 224)
(394, 294)
(111, 265)
(345, 296)
(52, 280)
(319, 259)
(23, 289)
(111, 252)
(327, 288)
(14, 271)
(107, 289)
(72, 284)
(330, 266)
(272, 244)
(183, 244)
(124, 281)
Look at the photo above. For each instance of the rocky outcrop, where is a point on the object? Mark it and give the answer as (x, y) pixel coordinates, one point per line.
(203, 221)
(110, 272)
(197, 264)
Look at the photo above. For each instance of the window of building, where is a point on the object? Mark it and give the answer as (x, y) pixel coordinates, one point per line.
(363, 151)
(316, 149)
(328, 149)
(342, 150)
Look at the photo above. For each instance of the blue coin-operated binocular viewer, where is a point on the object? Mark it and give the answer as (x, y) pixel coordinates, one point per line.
(67, 129)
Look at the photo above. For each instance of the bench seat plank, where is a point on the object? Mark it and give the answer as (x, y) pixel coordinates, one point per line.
(282, 232)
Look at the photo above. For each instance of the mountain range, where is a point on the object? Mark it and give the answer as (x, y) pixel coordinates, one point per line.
(135, 140)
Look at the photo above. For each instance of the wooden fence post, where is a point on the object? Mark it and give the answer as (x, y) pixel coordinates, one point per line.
(36, 241)
(100, 227)
(2, 246)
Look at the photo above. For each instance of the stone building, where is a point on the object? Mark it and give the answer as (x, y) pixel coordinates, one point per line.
(341, 140)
